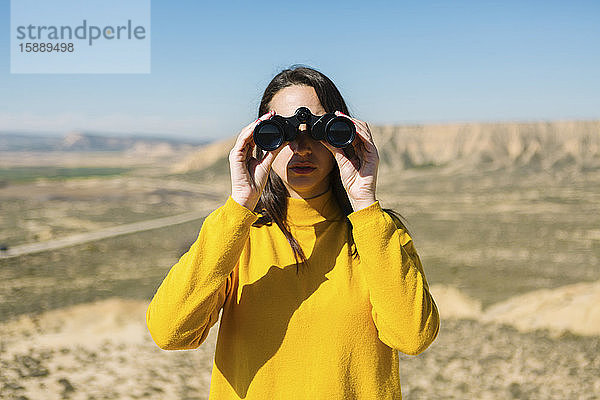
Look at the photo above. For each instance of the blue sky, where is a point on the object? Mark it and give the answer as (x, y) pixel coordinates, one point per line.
(394, 62)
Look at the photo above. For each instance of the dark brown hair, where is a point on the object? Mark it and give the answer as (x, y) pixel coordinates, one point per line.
(273, 201)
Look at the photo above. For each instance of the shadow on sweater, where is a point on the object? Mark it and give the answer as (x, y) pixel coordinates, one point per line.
(277, 294)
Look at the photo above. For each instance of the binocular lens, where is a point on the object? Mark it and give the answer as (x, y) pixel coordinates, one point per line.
(336, 130)
(340, 134)
(268, 136)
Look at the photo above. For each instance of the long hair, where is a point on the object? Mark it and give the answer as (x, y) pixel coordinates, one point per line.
(274, 198)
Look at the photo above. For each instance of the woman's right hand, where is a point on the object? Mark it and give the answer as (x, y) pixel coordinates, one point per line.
(248, 174)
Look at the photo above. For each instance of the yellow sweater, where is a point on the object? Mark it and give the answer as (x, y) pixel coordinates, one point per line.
(330, 332)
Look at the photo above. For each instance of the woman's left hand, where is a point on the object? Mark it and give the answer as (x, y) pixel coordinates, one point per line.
(358, 169)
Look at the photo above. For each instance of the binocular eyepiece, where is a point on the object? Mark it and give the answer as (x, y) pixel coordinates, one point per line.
(338, 131)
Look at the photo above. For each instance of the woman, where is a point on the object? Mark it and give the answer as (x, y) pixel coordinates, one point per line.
(318, 284)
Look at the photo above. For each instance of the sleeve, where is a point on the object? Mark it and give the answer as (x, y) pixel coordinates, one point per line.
(188, 301)
(403, 309)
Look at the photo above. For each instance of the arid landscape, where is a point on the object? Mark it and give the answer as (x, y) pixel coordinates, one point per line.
(505, 217)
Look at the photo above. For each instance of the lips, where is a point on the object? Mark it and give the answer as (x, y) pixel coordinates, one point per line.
(303, 164)
(303, 168)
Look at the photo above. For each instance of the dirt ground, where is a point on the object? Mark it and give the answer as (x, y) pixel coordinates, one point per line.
(72, 320)
(103, 351)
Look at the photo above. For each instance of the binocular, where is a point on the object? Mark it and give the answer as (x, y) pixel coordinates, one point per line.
(338, 131)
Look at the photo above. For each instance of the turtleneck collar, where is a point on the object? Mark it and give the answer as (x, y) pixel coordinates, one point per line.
(303, 212)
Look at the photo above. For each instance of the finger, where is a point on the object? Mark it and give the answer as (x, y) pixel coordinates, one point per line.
(364, 147)
(355, 120)
(245, 135)
(267, 115)
(250, 138)
(343, 155)
(262, 118)
(336, 151)
(352, 154)
(364, 128)
(270, 157)
(360, 125)
(365, 138)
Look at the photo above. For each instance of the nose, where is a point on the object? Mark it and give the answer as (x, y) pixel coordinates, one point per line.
(302, 144)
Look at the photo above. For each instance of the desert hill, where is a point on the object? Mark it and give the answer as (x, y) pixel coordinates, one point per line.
(534, 146)
(571, 308)
(81, 141)
(86, 141)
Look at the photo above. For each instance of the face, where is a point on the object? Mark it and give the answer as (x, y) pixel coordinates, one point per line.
(304, 150)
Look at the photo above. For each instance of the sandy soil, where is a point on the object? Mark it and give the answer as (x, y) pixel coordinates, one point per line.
(103, 350)
(96, 351)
